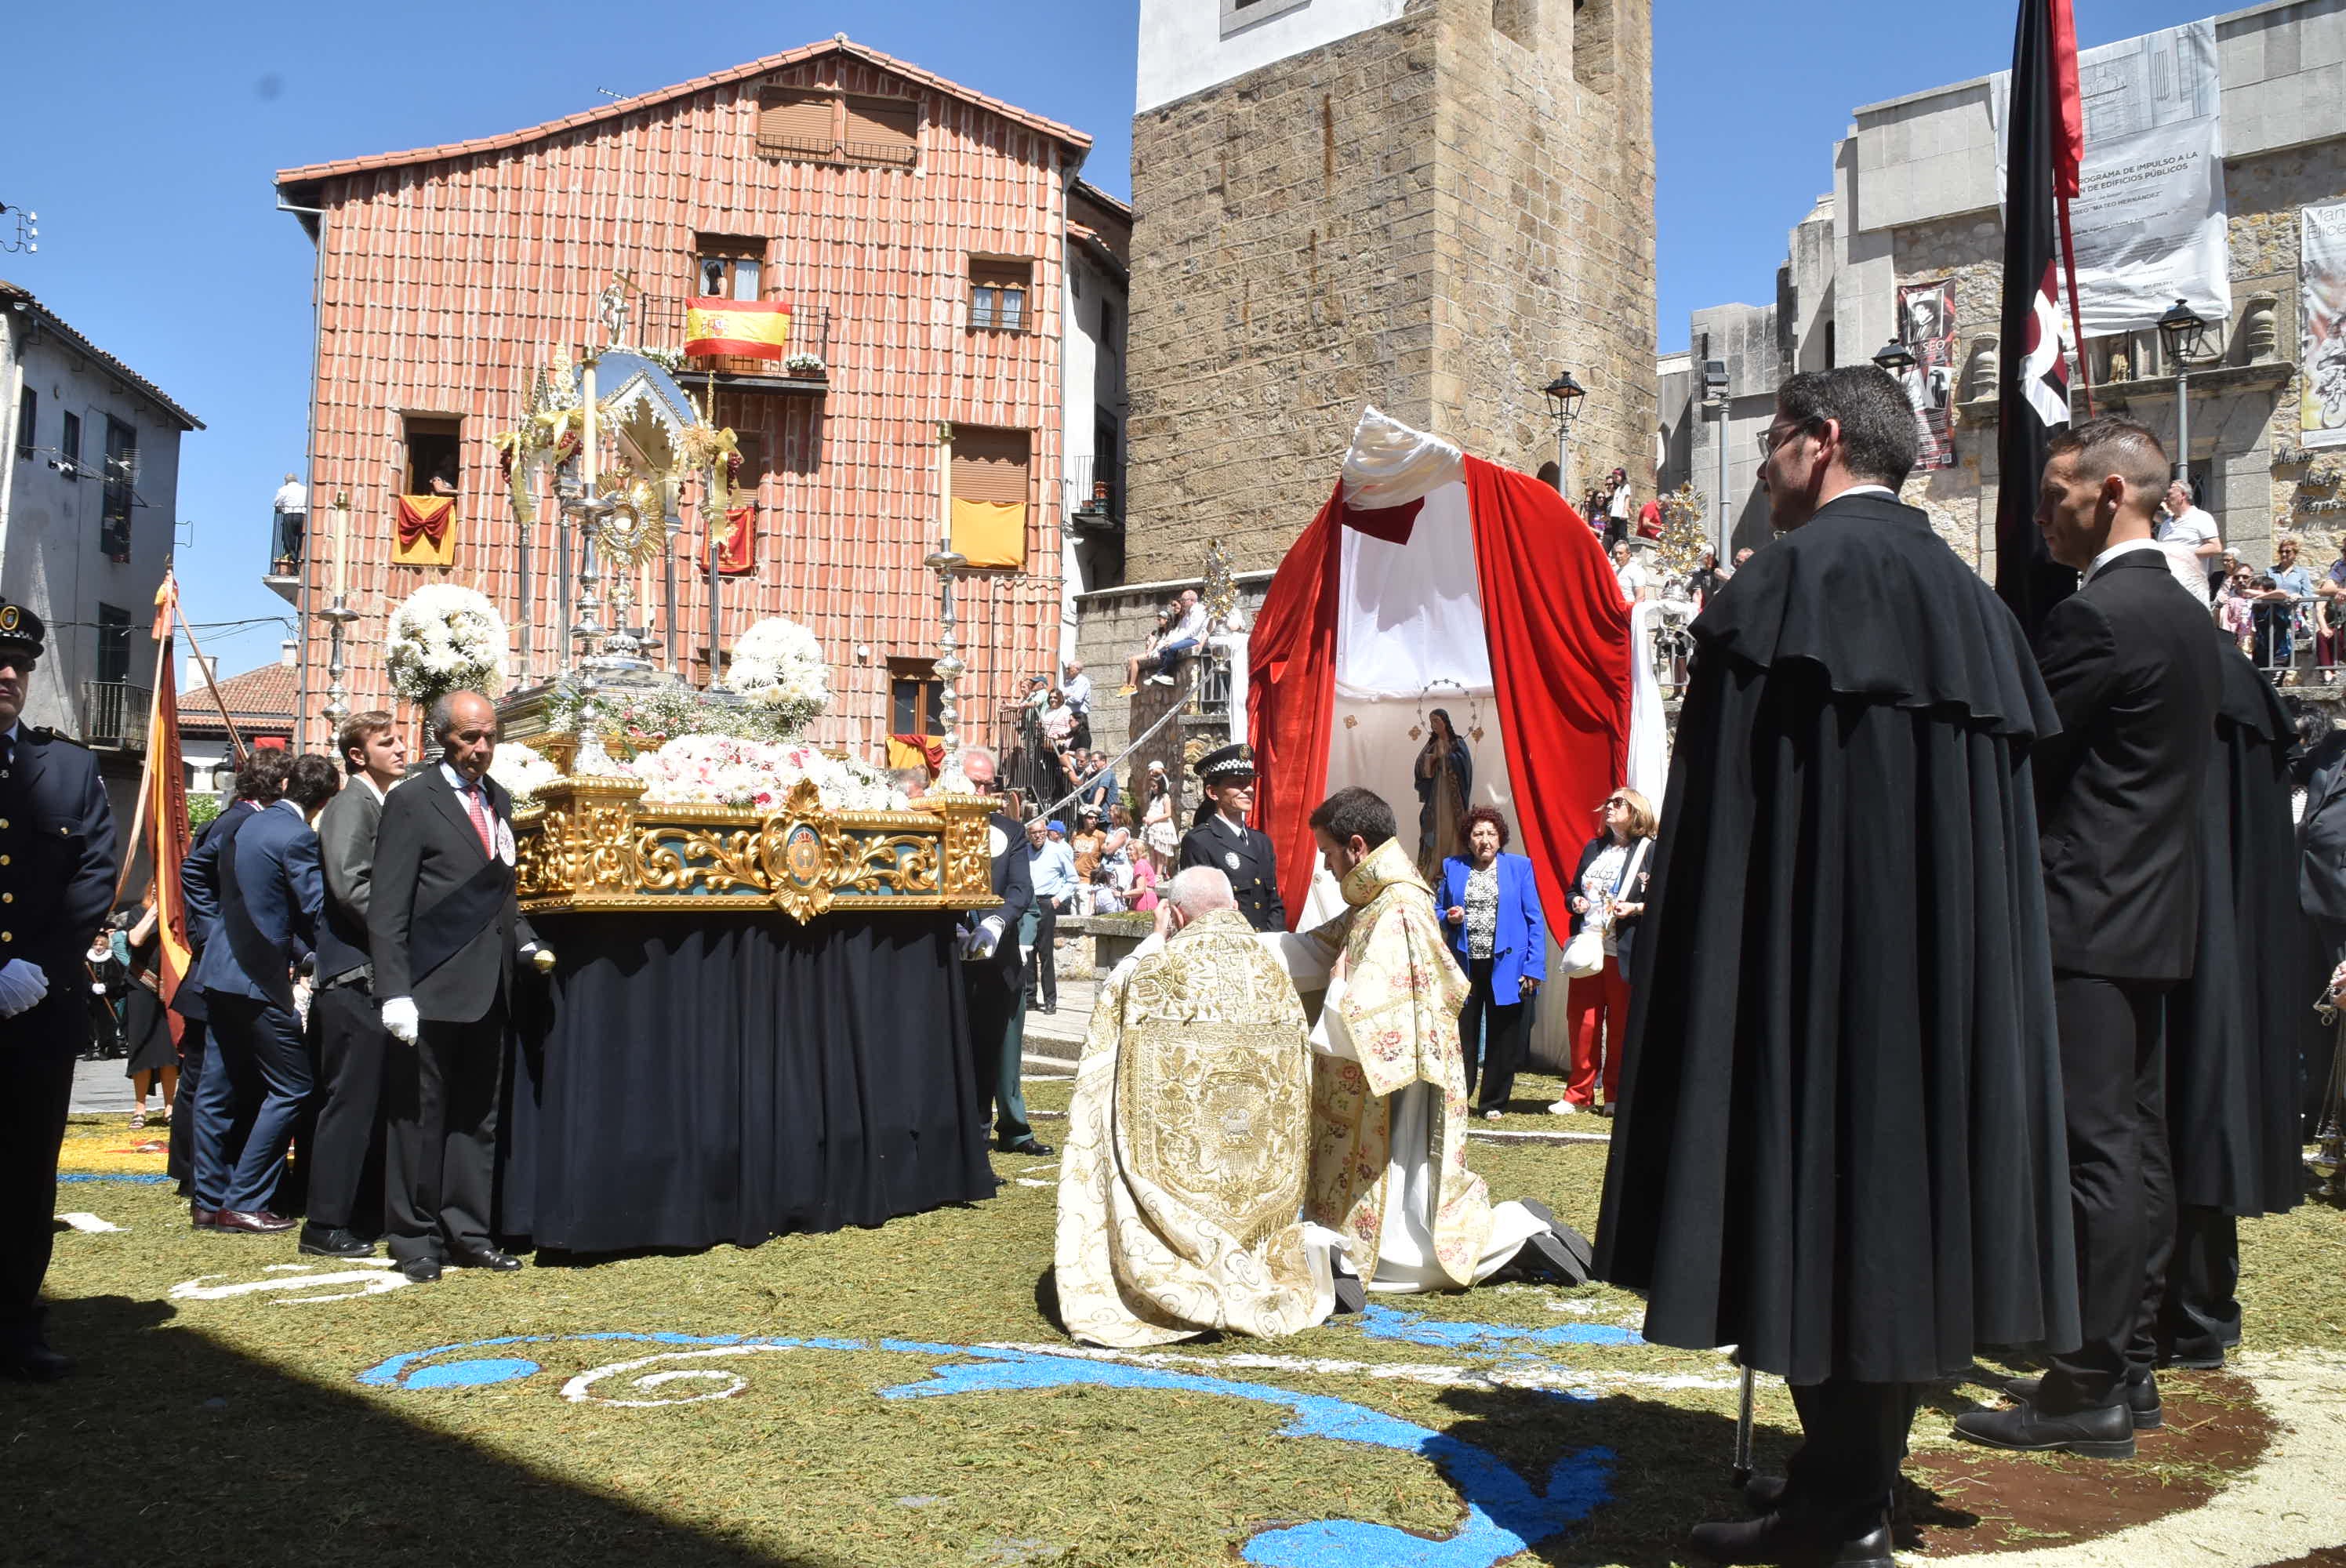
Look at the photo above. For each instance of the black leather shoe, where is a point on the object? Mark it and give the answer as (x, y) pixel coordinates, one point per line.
(421, 1271)
(1351, 1296)
(1786, 1538)
(2214, 1363)
(2142, 1400)
(335, 1242)
(1764, 1493)
(32, 1361)
(2104, 1433)
(203, 1218)
(258, 1222)
(1029, 1147)
(490, 1258)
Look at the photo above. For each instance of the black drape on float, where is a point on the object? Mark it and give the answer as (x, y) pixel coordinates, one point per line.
(2233, 1029)
(1840, 1144)
(730, 1077)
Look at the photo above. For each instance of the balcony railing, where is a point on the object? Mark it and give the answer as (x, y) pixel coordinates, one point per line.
(661, 326)
(828, 149)
(114, 714)
(1095, 495)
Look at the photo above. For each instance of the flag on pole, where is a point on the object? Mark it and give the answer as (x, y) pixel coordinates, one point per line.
(2044, 147)
(757, 329)
(165, 836)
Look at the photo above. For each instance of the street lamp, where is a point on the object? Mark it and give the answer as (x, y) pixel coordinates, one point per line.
(1896, 358)
(1563, 395)
(2184, 334)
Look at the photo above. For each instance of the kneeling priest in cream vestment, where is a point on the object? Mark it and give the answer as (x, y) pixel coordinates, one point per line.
(1181, 1182)
(1389, 1125)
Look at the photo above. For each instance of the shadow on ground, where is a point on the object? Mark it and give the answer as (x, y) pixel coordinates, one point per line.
(168, 1448)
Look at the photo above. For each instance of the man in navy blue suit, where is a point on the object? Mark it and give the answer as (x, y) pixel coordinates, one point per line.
(264, 897)
(57, 882)
(259, 780)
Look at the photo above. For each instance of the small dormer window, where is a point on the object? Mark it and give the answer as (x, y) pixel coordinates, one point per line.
(817, 124)
(1238, 14)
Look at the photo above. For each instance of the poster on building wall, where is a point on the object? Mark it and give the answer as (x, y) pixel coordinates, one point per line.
(2148, 221)
(2321, 315)
(1926, 324)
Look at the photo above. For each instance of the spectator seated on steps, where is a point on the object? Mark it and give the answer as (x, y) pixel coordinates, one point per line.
(1180, 639)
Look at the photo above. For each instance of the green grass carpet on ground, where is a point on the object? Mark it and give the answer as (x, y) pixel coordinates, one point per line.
(213, 1426)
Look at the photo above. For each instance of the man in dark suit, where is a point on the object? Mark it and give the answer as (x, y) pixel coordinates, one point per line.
(444, 932)
(347, 1033)
(2133, 675)
(57, 882)
(264, 772)
(263, 907)
(992, 973)
(1224, 841)
(2322, 894)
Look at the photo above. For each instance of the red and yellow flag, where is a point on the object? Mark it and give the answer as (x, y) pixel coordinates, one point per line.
(167, 808)
(754, 328)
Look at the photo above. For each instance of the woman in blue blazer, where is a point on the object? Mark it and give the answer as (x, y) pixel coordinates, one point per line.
(1491, 908)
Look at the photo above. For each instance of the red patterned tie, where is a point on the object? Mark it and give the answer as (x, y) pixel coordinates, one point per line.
(474, 801)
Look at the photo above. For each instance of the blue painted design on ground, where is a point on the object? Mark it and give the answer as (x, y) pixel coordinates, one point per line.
(136, 1178)
(1505, 1514)
(1417, 1329)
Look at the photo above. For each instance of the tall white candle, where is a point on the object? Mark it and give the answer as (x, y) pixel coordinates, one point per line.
(341, 543)
(586, 441)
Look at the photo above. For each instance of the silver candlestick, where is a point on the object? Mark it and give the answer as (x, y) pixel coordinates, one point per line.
(338, 616)
(947, 562)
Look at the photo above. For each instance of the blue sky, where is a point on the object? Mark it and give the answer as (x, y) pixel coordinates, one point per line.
(145, 137)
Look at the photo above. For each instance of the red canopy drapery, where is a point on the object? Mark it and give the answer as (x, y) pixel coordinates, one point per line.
(1559, 637)
(1291, 697)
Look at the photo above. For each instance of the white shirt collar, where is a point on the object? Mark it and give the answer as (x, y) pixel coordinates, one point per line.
(290, 806)
(1235, 830)
(2124, 548)
(373, 788)
(458, 782)
(1866, 490)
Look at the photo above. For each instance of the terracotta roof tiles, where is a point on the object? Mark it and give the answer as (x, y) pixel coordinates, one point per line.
(840, 44)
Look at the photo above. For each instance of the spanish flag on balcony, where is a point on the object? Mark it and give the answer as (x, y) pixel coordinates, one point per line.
(754, 328)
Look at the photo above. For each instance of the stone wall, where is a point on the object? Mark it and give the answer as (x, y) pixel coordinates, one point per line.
(1429, 216)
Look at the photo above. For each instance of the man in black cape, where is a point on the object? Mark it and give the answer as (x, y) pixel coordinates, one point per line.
(1840, 1142)
(2233, 1030)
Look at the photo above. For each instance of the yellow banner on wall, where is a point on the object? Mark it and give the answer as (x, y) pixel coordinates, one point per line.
(990, 532)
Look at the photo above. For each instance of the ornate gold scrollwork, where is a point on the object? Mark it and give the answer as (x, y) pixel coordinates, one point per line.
(594, 844)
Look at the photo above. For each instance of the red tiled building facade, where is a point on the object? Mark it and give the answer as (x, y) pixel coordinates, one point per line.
(918, 230)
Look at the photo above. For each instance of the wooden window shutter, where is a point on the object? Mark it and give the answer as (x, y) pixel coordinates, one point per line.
(989, 497)
(883, 130)
(989, 465)
(795, 119)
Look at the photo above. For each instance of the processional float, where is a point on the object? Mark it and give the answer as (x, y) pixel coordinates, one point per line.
(612, 442)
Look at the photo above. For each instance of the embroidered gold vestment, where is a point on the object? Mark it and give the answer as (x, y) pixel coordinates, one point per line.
(1181, 1180)
(1399, 1003)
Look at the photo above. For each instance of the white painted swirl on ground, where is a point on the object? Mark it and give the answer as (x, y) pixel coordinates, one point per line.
(710, 1382)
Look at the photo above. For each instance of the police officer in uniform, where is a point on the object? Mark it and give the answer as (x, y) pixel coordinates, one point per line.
(993, 973)
(1223, 841)
(56, 883)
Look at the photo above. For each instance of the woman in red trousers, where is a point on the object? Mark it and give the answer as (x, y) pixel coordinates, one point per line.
(1609, 888)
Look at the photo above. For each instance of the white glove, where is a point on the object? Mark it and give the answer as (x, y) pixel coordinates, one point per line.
(982, 940)
(21, 985)
(399, 1016)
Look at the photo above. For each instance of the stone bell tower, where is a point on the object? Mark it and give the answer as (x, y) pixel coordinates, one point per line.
(1432, 206)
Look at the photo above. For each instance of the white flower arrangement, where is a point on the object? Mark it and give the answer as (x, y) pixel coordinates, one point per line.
(778, 663)
(522, 769)
(758, 776)
(445, 638)
(805, 365)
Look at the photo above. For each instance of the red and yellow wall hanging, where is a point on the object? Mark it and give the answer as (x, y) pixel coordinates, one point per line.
(736, 544)
(754, 328)
(425, 533)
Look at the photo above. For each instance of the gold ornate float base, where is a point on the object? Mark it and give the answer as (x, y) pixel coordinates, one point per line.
(587, 844)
